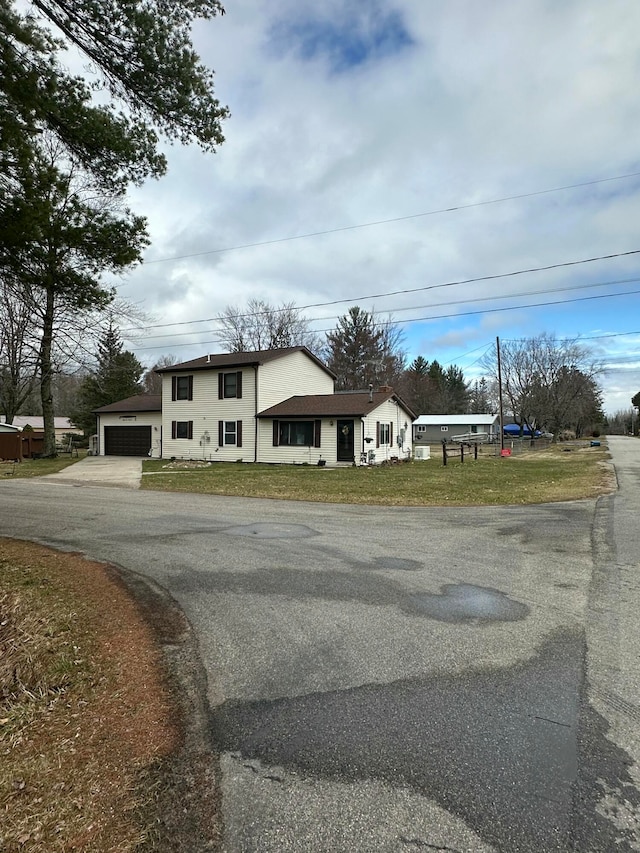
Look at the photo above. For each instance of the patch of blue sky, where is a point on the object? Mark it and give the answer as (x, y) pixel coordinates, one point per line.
(347, 39)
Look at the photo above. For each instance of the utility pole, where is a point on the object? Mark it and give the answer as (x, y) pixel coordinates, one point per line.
(500, 394)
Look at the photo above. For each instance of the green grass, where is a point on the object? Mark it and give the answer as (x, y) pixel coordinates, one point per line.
(536, 477)
(38, 467)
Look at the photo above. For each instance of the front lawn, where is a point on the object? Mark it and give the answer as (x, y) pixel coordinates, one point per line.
(536, 477)
(38, 467)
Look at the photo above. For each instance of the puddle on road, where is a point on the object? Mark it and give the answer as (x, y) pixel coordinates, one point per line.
(266, 530)
(468, 603)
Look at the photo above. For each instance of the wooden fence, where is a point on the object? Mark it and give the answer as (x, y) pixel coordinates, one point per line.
(21, 445)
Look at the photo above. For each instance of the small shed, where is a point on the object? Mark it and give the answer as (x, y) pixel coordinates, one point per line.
(18, 444)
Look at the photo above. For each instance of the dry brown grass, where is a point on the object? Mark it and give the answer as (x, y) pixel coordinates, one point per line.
(85, 715)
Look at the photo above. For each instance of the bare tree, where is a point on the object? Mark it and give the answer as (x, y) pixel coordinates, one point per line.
(262, 326)
(152, 381)
(547, 382)
(18, 350)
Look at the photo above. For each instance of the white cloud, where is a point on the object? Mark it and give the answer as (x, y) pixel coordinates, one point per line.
(480, 101)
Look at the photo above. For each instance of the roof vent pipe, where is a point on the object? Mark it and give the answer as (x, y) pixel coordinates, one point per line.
(370, 393)
(208, 358)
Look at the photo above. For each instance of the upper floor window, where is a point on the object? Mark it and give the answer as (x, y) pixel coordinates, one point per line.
(182, 387)
(230, 385)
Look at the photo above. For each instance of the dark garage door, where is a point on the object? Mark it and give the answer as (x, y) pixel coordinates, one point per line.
(127, 440)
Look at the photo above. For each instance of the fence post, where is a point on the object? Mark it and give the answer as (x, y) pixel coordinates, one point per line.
(461, 452)
(444, 452)
(475, 450)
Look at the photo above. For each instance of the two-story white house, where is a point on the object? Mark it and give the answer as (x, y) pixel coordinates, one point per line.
(210, 405)
(275, 406)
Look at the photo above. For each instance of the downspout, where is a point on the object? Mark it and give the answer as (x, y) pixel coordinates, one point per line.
(255, 414)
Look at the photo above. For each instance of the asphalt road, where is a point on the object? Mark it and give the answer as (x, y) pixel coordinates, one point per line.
(391, 679)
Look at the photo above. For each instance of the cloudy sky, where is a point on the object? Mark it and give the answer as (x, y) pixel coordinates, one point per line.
(407, 156)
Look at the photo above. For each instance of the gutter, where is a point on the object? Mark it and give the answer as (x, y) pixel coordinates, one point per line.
(255, 414)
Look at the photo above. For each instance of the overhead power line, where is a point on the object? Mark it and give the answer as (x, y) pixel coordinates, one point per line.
(356, 299)
(445, 316)
(434, 212)
(475, 300)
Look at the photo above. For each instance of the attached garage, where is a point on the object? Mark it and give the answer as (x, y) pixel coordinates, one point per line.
(127, 440)
(131, 427)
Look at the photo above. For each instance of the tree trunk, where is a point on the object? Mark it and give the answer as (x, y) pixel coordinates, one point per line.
(46, 369)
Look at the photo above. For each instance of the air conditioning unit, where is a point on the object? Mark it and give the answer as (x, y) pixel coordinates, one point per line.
(423, 452)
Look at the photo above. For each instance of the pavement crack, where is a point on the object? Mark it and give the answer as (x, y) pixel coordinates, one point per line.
(555, 722)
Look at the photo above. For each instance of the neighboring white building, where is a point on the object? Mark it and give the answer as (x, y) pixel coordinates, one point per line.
(429, 429)
(61, 425)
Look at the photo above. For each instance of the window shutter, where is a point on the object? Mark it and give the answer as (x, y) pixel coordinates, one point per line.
(191, 388)
(239, 384)
(239, 433)
(220, 433)
(391, 433)
(317, 425)
(174, 383)
(276, 433)
(377, 433)
(220, 386)
(190, 429)
(174, 429)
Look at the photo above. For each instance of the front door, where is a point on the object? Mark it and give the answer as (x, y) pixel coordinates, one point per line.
(345, 441)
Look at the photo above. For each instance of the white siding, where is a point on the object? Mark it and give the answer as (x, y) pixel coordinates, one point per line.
(152, 419)
(205, 410)
(290, 376)
(327, 451)
(392, 413)
(389, 412)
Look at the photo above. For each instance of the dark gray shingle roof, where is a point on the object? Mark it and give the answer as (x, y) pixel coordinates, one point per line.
(137, 403)
(348, 404)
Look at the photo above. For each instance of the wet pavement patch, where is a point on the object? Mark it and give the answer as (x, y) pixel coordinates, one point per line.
(468, 603)
(500, 748)
(264, 530)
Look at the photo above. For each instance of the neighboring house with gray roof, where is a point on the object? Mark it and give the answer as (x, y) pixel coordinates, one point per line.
(61, 425)
(432, 429)
(265, 406)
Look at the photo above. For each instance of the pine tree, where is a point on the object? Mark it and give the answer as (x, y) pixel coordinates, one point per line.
(116, 377)
(363, 351)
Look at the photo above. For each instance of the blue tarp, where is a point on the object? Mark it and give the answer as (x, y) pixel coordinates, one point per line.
(514, 430)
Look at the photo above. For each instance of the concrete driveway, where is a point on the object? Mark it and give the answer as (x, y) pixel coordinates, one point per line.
(396, 679)
(121, 471)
